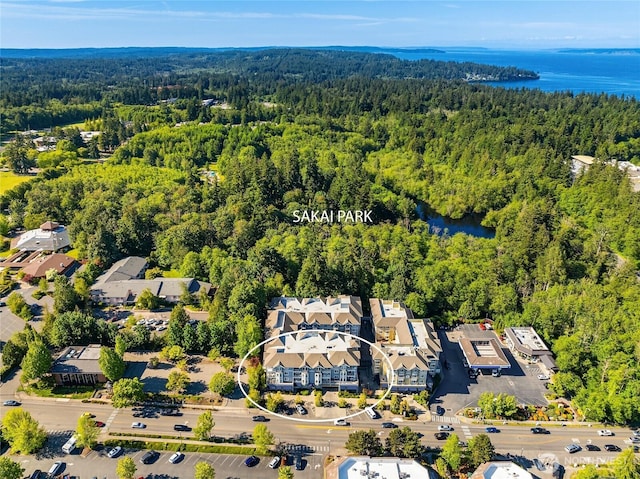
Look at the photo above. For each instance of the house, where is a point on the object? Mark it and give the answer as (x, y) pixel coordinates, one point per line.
(581, 163)
(49, 237)
(78, 365)
(526, 342)
(343, 314)
(500, 470)
(363, 467)
(308, 359)
(407, 350)
(125, 292)
(60, 263)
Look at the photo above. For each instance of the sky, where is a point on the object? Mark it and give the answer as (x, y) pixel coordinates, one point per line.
(387, 23)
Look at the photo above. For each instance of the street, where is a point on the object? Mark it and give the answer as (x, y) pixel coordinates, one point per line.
(59, 418)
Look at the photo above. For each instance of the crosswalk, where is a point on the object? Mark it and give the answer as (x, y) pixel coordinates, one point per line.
(466, 431)
(110, 419)
(445, 419)
(305, 449)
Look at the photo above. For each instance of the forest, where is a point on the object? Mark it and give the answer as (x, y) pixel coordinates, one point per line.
(210, 192)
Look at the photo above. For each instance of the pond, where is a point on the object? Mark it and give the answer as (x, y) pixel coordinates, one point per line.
(470, 224)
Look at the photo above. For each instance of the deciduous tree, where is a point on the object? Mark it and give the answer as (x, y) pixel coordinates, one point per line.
(222, 383)
(86, 432)
(177, 381)
(22, 432)
(204, 470)
(127, 392)
(10, 469)
(204, 426)
(37, 362)
(452, 452)
(263, 438)
(111, 364)
(126, 468)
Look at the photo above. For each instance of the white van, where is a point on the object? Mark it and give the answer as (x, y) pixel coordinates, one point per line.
(70, 445)
(371, 413)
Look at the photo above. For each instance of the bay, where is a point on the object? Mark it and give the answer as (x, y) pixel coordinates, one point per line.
(610, 71)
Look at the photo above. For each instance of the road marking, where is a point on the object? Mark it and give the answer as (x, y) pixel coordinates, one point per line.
(467, 432)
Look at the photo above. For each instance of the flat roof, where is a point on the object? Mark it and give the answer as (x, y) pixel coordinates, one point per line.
(78, 359)
(484, 353)
(526, 340)
(381, 467)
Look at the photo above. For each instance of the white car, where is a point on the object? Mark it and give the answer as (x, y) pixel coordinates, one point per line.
(176, 457)
(604, 432)
(445, 427)
(275, 462)
(340, 422)
(543, 377)
(137, 425)
(114, 452)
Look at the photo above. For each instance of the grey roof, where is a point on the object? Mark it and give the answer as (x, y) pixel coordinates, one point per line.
(127, 268)
(483, 353)
(78, 359)
(162, 287)
(45, 240)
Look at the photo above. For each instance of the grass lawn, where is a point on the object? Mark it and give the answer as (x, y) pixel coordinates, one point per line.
(9, 180)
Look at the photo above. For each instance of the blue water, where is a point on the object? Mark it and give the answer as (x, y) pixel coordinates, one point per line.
(605, 71)
(438, 224)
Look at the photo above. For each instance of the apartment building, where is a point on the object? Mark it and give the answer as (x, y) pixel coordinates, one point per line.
(407, 352)
(308, 350)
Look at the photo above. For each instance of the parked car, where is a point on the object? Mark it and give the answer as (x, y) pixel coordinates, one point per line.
(259, 419)
(539, 465)
(495, 373)
(605, 432)
(149, 457)
(557, 470)
(181, 427)
(491, 429)
(439, 410)
(56, 468)
(35, 474)
(138, 425)
(543, 377)
(389, 425)
(275, 462)
(441, 436)
(592, 447)
(572, 448)
(612, 448)
(301, 409)
(88, 414)
(114, 452)
(636, 433)
(300, 463)
(98, 423)
(11, 402)
(251, 461)
(445, 427)
(176, 457)
(539, 430)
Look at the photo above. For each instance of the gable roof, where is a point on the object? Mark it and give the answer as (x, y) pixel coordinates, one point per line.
(39, 267)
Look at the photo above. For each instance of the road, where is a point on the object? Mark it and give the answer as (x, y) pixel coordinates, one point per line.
(59, 418)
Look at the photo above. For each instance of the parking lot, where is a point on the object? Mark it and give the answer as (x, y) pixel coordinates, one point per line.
(457, 390)
(227, 466)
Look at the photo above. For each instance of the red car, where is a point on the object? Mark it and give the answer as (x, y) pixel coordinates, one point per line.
(99, 423)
